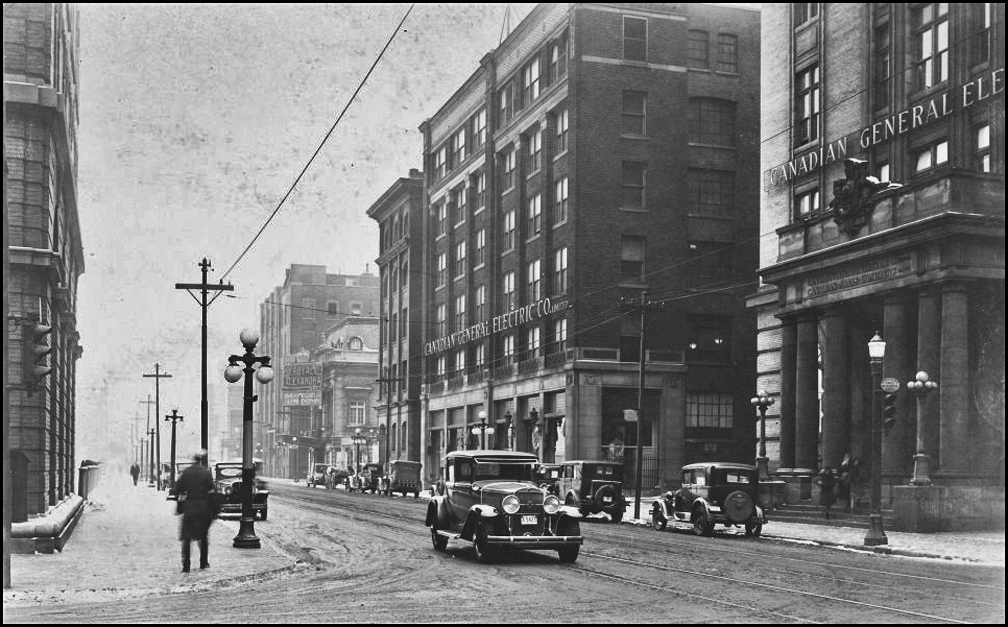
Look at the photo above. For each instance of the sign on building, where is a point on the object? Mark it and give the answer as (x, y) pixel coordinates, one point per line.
(302, 384)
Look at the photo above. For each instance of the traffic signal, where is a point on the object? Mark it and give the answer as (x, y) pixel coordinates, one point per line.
(34, 354)
(888, 411)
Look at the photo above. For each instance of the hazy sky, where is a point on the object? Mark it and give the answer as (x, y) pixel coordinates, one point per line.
(194, 121)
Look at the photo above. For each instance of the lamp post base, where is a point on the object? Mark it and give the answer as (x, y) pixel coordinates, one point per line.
(246, 538)
(763, 467)
(922, 465)
(876, 535)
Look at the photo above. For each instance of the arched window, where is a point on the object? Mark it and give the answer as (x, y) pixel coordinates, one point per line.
(392, 435)
(355, 344)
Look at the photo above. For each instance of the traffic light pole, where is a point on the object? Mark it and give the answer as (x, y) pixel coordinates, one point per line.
(204, 288)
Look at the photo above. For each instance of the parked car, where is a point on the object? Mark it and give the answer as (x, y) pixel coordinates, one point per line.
(317, 475)
(354, 483)
(547, 476)
(370, 477)
(593, 486)
(713, 493)
(228, 480)
(404, 476)
(492, 499)
(179, 467)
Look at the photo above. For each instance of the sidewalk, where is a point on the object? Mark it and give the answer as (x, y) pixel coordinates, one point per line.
(126, 545)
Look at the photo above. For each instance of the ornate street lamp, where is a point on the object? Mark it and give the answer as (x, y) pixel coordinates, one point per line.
(921, 386)
(246, 538)
(482, 429)
(173, 418)
(762, 401)
(876, 535)
(358, 439)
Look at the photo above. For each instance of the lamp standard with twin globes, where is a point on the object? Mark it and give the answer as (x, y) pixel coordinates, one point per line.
(357, 439)
(876, 534)
(921, 386)
(173, 418)
(482, 429)
(246, 538)
(762, 401)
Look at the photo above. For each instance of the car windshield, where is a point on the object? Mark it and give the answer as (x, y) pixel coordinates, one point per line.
(742, 477)
(496, 470)
(610, 473)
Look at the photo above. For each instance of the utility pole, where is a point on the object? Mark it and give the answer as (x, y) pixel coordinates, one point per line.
(643, 305)
(150, 461)
(204, 288)
(157, 376)
(174, 417)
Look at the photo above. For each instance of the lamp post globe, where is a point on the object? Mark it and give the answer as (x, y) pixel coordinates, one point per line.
(249, 336)
(264, 374)
(233, 373)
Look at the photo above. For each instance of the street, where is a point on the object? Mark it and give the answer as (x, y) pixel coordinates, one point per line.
(368, 558)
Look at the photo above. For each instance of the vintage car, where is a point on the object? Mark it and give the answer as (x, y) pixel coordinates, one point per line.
(336, 477)
(713, 493)
(547, 476)
(371, 476)
(404, 476)
(354, 483)
(179, 467)
(317, 475)
(593, 487)
(492, 499)
(228, 481)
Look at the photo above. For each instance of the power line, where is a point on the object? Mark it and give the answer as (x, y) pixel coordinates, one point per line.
(332, 128)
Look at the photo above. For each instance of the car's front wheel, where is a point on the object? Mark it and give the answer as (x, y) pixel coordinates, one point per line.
(481, 543)
(658, 520)
(439, 541)
(569, 527)
(702, 525)
(753, 529)
(263, 513)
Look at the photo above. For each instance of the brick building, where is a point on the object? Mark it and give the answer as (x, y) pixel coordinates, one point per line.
(44, 252)
(882, 211)
(599, 152)
(294, 321)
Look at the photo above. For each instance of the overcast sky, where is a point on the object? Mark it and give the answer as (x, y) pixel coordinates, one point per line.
(194, 121)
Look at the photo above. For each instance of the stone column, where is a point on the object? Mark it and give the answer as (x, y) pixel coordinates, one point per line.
(928, 360)
(859, 394)
(788, 361)
(807, 396)
(953, 397)
(899, 363)
(836, 389)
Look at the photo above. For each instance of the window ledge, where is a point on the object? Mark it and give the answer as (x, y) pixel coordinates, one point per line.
(634, 136)
(634, 209)
(717, 146)
(561, 154)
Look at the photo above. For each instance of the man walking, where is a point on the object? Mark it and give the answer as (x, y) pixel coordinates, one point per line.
(135, 471)
(194, 487)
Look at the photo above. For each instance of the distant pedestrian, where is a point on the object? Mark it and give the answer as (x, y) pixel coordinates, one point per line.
(827, 485)
(135, 471)
(194, 488)
(848, 468)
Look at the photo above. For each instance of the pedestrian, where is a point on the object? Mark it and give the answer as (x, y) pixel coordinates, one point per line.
(827, 484)
(135, 471)
(843, 486)
(195, 487)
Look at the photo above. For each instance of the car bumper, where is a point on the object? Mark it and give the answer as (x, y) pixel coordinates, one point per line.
(535, 542)
(231, 508)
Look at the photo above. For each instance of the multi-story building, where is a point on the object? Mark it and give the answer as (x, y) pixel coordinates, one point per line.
(399, 213)
(600, 152)
(45, 255)
(882, 212)
(294, 321)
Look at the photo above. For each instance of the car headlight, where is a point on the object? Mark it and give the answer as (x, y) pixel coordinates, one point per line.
(551, 504)
(511, 504)
(227, 491)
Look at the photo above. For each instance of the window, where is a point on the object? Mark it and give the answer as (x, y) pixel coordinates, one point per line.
(712, 121)
(534, 292)
(807, 203)
(460, 311)
(727, 53)
(562, 126)
(534, 142)
(709, 338)
(441, 321)
(442, 269)
(634, 38)
(356, 308)
(530, 82)
(560, 335)
(931, 156)
(440, 163)
(698, 55)
(441, 366)
(479, 129)
(358, 412)
(560, 201)
(710, 262)
(632, 259)
(332, 308)
(711, 193)
(460, 259)
(931, 41)
(534, 215)
(532, 342)
(505, 100)
(508, 348)
(481, 303)
(457, 202)
(883, 66)
(480, 248)
(634, 177)
(404, 322)
(509, 169)
(404, 272)
(709, 409)
(634, 111)
(508, 241)
(479, 357)
(980, 21)
(442, 214)
(558, 58)
(807, 105)
(509, 291)
(459, 148)
(983, 149)
(393, 327)
(560, 271)
(308, 307)
(882, 171)
(480, 187)
(459, 362)
(804, 11)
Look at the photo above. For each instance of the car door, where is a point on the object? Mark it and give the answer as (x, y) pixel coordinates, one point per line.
(458, 488)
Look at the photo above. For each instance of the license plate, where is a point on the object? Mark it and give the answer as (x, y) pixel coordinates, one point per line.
(529, 520)
(607, 499)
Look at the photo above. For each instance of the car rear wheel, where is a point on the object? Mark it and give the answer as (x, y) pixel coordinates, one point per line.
(484, 553)
(658, 520)
(702, 525)
(754, 529)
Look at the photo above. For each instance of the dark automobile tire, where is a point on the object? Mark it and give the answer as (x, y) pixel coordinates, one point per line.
(569, 554)
(754, 529)
(605, 491)
(616, 516)
(702, 526)
(484, 554)
(263, 513)
(738, 507)
(658, 520)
